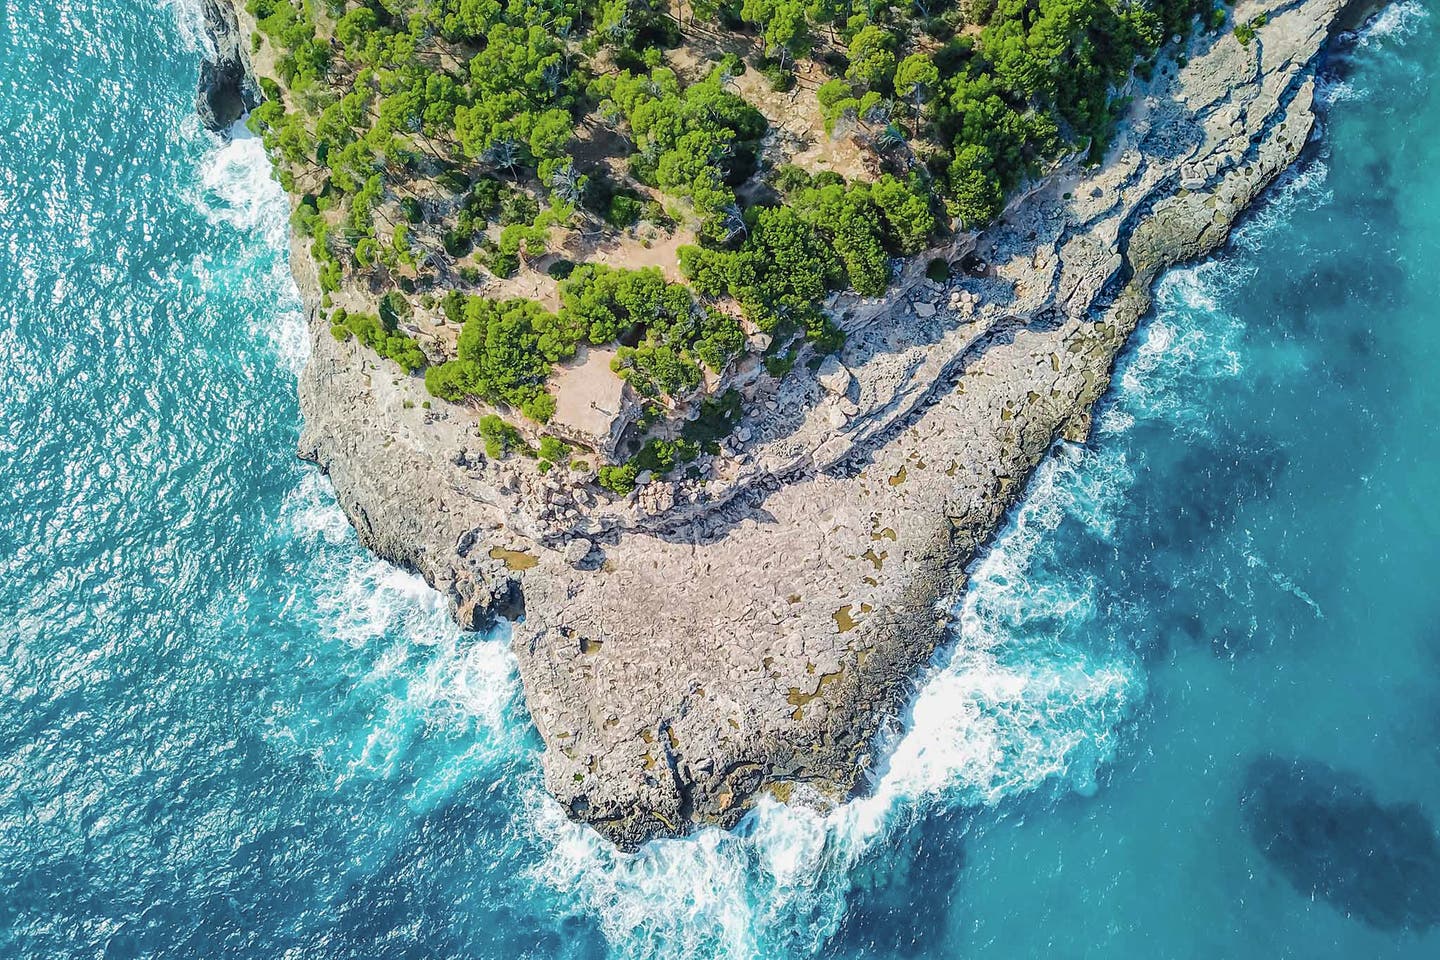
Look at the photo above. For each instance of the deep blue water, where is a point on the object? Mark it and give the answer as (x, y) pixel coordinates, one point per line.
(1194, 710)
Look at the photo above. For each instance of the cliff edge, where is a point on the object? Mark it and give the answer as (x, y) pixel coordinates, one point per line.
(227, 89)
(683, 654)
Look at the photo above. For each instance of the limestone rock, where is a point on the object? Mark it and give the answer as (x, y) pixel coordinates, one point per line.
(834, 376)
(577, 550)
(758, 635)
(227, 91)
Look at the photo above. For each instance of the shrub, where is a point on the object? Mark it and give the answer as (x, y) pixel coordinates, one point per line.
(540, 407)
(790, 178)
(394, 308)
(554, 449)
(661, 456)
(457, 241)
(500, 437)
(623, 211)
(717, 419)
(378, 336)
(453, 181)
(782, 79)
(516, 206)
(502, 263)
(618, 479)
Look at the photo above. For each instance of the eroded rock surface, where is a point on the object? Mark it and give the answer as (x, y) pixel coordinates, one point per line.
(227, 90)
(697, 644)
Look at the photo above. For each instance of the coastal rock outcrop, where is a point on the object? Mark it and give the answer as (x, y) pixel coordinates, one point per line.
(227, 89)
(700, 643)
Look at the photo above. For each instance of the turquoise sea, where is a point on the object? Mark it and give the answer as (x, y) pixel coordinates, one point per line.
(1193, 710)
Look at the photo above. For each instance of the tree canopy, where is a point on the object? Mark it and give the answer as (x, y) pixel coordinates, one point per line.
(434, 147)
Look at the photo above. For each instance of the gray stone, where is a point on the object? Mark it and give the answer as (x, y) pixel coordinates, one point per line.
(227, 91)
(577, 550)
(834, 376)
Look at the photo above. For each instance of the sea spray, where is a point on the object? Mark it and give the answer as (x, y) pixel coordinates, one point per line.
(419, 676)
(1394, 24)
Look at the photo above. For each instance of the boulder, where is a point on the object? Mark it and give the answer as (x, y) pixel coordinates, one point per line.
(577, 550)
(226, 90)
(833, 376)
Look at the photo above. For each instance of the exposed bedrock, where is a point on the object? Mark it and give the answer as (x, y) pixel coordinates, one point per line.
(227, 90)
(682, 657)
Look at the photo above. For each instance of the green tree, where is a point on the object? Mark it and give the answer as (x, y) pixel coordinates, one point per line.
(872, 58)
(975, 191)
(916, 78)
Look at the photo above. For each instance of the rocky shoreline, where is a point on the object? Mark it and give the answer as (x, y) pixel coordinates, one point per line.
(227, 88)
(693, 647)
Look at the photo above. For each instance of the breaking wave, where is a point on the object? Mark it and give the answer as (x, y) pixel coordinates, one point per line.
(412, 674)
(1397, 21)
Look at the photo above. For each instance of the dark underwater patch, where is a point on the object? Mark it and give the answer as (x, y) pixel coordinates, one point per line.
(1189, 509)
(901, 893)
(1327, 834)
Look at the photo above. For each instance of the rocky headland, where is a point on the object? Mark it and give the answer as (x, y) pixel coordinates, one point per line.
(697, 644)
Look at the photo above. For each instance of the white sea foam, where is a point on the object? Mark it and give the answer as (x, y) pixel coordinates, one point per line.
(1392, 27)
(425, 700)
(240, 190)
(237, 190)
(1254, 560)
(190, 24)
(1194, 333)
(1330, 91)
(1396, 22)
(1300, 188)
(311, 512)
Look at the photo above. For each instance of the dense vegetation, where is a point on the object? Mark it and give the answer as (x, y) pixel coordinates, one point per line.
(506, 348)
(439, 145)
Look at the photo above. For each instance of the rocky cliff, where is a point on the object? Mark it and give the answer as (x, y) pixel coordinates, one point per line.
(227, 87)
(697, 645)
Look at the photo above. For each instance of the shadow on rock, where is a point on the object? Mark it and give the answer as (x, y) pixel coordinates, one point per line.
(1331, 838)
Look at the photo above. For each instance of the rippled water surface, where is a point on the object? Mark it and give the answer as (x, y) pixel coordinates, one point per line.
(1193, 710)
